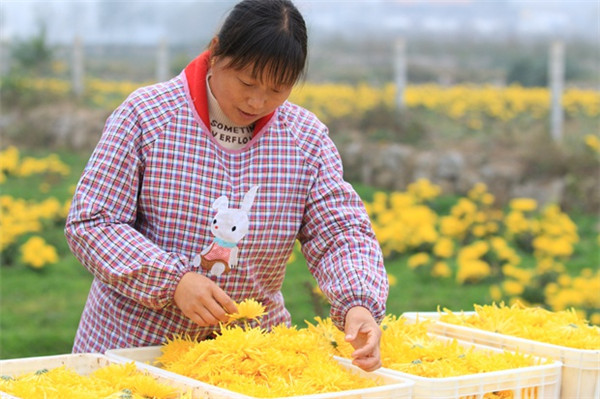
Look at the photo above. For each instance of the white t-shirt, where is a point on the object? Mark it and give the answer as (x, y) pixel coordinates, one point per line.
(226, 132)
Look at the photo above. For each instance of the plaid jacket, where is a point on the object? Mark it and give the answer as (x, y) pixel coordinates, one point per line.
(143, 207)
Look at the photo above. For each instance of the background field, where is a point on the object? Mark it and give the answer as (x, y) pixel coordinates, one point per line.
(41, 307)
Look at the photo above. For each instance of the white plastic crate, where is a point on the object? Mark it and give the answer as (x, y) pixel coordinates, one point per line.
(84, 364)
(580, 368)
(532, 382)
(393, 387)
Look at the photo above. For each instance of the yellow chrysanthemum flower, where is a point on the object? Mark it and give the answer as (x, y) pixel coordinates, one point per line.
(512, 287)
(441, 269)
(523, 204)
(37, 253)
(392, 280)
(418, 259)
(444, 247)
(593, 142)
(248, 309)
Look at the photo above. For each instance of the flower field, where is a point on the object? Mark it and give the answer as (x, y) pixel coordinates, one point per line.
(23, 222)
(522, 252)
(471, 104)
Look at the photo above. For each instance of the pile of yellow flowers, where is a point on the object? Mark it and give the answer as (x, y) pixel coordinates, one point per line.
(248, 309)
(564, 328)
(283, 362)
(115, 381)
(407, 347)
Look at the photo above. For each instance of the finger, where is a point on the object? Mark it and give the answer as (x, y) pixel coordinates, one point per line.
(368, 345)
(206, 317)
(216, 311)
(197, 318)
(352, 332)
(225, 301)
(358, 335)
(368, 363)
(365, 345)
(191, 314)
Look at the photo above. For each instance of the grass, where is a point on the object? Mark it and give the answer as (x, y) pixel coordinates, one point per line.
(40, 309)
(411, 292)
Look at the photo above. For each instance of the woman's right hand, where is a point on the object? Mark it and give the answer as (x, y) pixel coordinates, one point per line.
(203, 301)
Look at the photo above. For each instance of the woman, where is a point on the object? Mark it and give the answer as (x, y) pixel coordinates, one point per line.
(219, 146)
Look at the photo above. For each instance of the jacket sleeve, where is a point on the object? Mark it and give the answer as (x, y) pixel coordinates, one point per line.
(339, 244)
(100, 228)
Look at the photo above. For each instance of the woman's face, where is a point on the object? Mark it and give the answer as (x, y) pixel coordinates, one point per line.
(243, 97)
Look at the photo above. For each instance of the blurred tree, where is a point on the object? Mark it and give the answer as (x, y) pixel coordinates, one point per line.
(528, 72)
(532, 71)
(32, 55)
(29, 58)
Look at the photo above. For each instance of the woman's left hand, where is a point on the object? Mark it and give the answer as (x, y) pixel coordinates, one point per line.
(363, 332)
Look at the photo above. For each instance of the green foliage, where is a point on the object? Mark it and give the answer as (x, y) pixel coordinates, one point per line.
(30, 58)
(528, 72)
(531, 70)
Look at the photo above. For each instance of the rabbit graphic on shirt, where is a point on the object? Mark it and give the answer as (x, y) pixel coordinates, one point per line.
(228, 226)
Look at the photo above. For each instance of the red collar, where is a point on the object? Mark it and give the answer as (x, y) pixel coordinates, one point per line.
(195, 73)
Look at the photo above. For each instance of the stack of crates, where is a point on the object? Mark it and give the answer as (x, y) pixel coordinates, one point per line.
(580, 372)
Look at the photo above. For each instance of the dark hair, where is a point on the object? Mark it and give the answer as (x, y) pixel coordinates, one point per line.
(269, 34)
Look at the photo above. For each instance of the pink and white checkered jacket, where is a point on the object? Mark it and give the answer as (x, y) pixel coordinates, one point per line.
(142, 211)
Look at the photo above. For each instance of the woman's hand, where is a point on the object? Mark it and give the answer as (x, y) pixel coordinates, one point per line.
(200, 299)
(363, 332)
